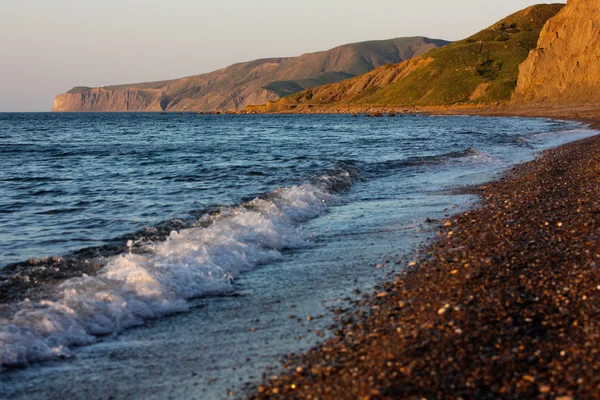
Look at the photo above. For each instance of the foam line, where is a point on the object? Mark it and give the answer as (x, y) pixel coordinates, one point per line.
(190, 263)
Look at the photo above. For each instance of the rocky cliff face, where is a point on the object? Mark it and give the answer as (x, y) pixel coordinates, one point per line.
(565, 66)
(95, 99)
(255, 82)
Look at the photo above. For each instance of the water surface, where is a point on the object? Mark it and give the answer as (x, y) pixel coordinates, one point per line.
(273, 219)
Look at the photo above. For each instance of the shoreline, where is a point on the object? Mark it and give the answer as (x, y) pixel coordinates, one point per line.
(584, 113)
(376, 299)
(504, 302)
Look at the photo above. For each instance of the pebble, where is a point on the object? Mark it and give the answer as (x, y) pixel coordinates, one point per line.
(443, 310)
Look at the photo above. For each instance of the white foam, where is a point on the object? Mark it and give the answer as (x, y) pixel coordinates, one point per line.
(478, 157)
(135, 287)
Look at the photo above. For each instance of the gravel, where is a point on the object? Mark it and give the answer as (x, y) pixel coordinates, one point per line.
(506, 306)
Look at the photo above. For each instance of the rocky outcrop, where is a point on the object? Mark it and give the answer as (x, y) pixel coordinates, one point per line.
(255, 82)
(565, 66)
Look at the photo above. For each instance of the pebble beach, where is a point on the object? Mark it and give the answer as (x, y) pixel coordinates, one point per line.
(503, 304)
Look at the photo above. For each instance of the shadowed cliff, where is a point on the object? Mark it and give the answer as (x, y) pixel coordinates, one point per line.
(246, 83)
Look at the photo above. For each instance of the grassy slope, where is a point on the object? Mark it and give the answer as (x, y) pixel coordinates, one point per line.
(372, 54)
(286, 88)
(447, 75)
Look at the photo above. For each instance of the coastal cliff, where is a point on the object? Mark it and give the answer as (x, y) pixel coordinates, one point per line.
(95, 99)
(564, 66)
(480, 69)
(254, 82)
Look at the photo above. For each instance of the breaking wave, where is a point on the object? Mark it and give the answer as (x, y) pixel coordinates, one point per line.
(161, 277)
(166, 270)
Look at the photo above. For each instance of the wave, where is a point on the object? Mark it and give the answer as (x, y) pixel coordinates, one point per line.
(161, 277)
(470, 154)
(467, 154)
(162, 268)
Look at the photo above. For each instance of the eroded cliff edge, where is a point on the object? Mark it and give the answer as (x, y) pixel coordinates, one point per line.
(565, 65)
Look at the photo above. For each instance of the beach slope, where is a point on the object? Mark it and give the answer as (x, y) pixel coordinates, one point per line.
(504, 304)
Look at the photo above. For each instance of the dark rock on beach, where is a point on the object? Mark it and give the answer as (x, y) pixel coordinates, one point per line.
(504, 304)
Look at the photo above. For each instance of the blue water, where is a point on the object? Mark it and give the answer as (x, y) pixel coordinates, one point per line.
(218, 224)
(70, 181)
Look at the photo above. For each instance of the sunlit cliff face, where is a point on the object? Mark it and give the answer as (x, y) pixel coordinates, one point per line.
(564, 67)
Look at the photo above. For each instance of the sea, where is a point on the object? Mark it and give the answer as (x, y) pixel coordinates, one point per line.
(182, 255)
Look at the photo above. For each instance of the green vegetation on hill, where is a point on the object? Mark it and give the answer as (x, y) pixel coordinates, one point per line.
(480, 69)
(285, 88)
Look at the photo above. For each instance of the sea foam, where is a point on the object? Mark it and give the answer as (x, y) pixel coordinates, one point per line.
(162, 278)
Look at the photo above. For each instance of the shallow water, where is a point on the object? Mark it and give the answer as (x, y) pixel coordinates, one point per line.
(337, 196)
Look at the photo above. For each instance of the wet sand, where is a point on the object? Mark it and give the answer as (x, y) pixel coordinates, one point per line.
(505, 303)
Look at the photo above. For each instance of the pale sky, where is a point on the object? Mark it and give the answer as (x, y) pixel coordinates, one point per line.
(49, 46)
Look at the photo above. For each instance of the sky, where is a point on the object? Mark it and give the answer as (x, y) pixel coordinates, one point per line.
(49, 46)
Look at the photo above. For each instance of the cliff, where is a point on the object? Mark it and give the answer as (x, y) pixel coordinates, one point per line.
(480, 69)
(565, 67)
(254, 82)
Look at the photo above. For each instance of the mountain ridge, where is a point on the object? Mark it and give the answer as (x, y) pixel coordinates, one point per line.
(252, 82)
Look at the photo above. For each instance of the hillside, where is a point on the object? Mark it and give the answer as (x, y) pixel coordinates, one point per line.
(564, 67)
(480, 69)
(246, 83)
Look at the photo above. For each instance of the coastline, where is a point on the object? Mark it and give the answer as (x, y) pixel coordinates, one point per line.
(504, 303)
(494, 128)
(586, 113)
